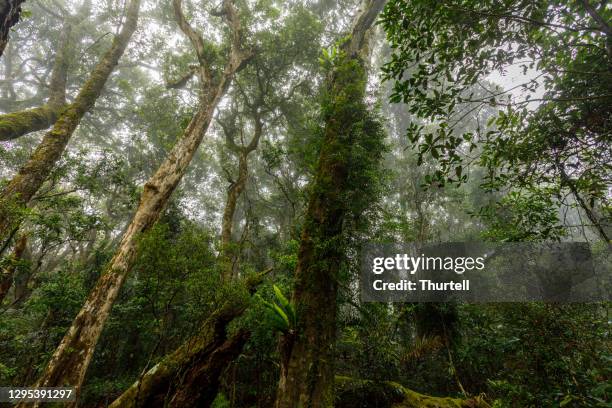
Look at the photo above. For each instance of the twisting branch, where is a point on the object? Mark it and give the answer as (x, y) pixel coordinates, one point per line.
(256, 133)
(196, 39)
(199, 46)
(182, 81)
(229, 130)
(238, 55)
(603, 24)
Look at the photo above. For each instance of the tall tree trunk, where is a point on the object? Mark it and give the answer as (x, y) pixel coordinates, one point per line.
(6, 279)
(228, 254)
(9, 16)
(20, 190)
(72, 357)
(307, 375)
(17, 124)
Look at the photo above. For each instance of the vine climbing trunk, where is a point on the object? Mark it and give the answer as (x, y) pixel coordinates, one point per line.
(72, 357)
(307, 355)
(20, 190)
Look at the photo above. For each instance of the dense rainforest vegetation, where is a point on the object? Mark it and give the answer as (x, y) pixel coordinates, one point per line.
(186, 188)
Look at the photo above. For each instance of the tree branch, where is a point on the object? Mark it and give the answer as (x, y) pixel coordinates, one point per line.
(605, 27)
(182, 81)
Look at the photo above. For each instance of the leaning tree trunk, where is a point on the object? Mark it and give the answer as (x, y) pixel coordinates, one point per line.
(16, 124)
(307, 376)
(72, 357)
(9, 16)
(189, 376)
(20, 190)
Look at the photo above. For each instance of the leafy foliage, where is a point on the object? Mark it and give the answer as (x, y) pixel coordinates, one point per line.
(280, 312)
(442, 55)
(454, 157)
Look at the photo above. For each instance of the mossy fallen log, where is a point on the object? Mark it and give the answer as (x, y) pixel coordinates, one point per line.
(200, 361)
(355, 393)
(189, 376)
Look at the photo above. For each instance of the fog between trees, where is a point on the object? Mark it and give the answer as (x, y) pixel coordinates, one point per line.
(185, 189)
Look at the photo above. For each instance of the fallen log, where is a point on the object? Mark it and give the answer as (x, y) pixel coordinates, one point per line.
(355, 393)
(189, 376)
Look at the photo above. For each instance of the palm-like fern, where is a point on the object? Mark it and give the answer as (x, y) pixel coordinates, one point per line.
(281, 313)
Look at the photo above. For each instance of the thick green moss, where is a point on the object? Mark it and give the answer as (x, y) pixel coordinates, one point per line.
(355, 393)
(17, 124)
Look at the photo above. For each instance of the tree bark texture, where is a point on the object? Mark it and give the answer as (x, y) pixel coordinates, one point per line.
(307, 375)
(9, 16)
(20, 190)
(72, 357)
(17, 124)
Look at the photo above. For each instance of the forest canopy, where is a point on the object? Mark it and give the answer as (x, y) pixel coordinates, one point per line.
(187, 189)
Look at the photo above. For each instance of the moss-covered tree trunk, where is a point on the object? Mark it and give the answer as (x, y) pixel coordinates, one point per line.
(72, 357)
(20, 123)
(17, 124)
(307, 375)
(10, 11)
(20, 190)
